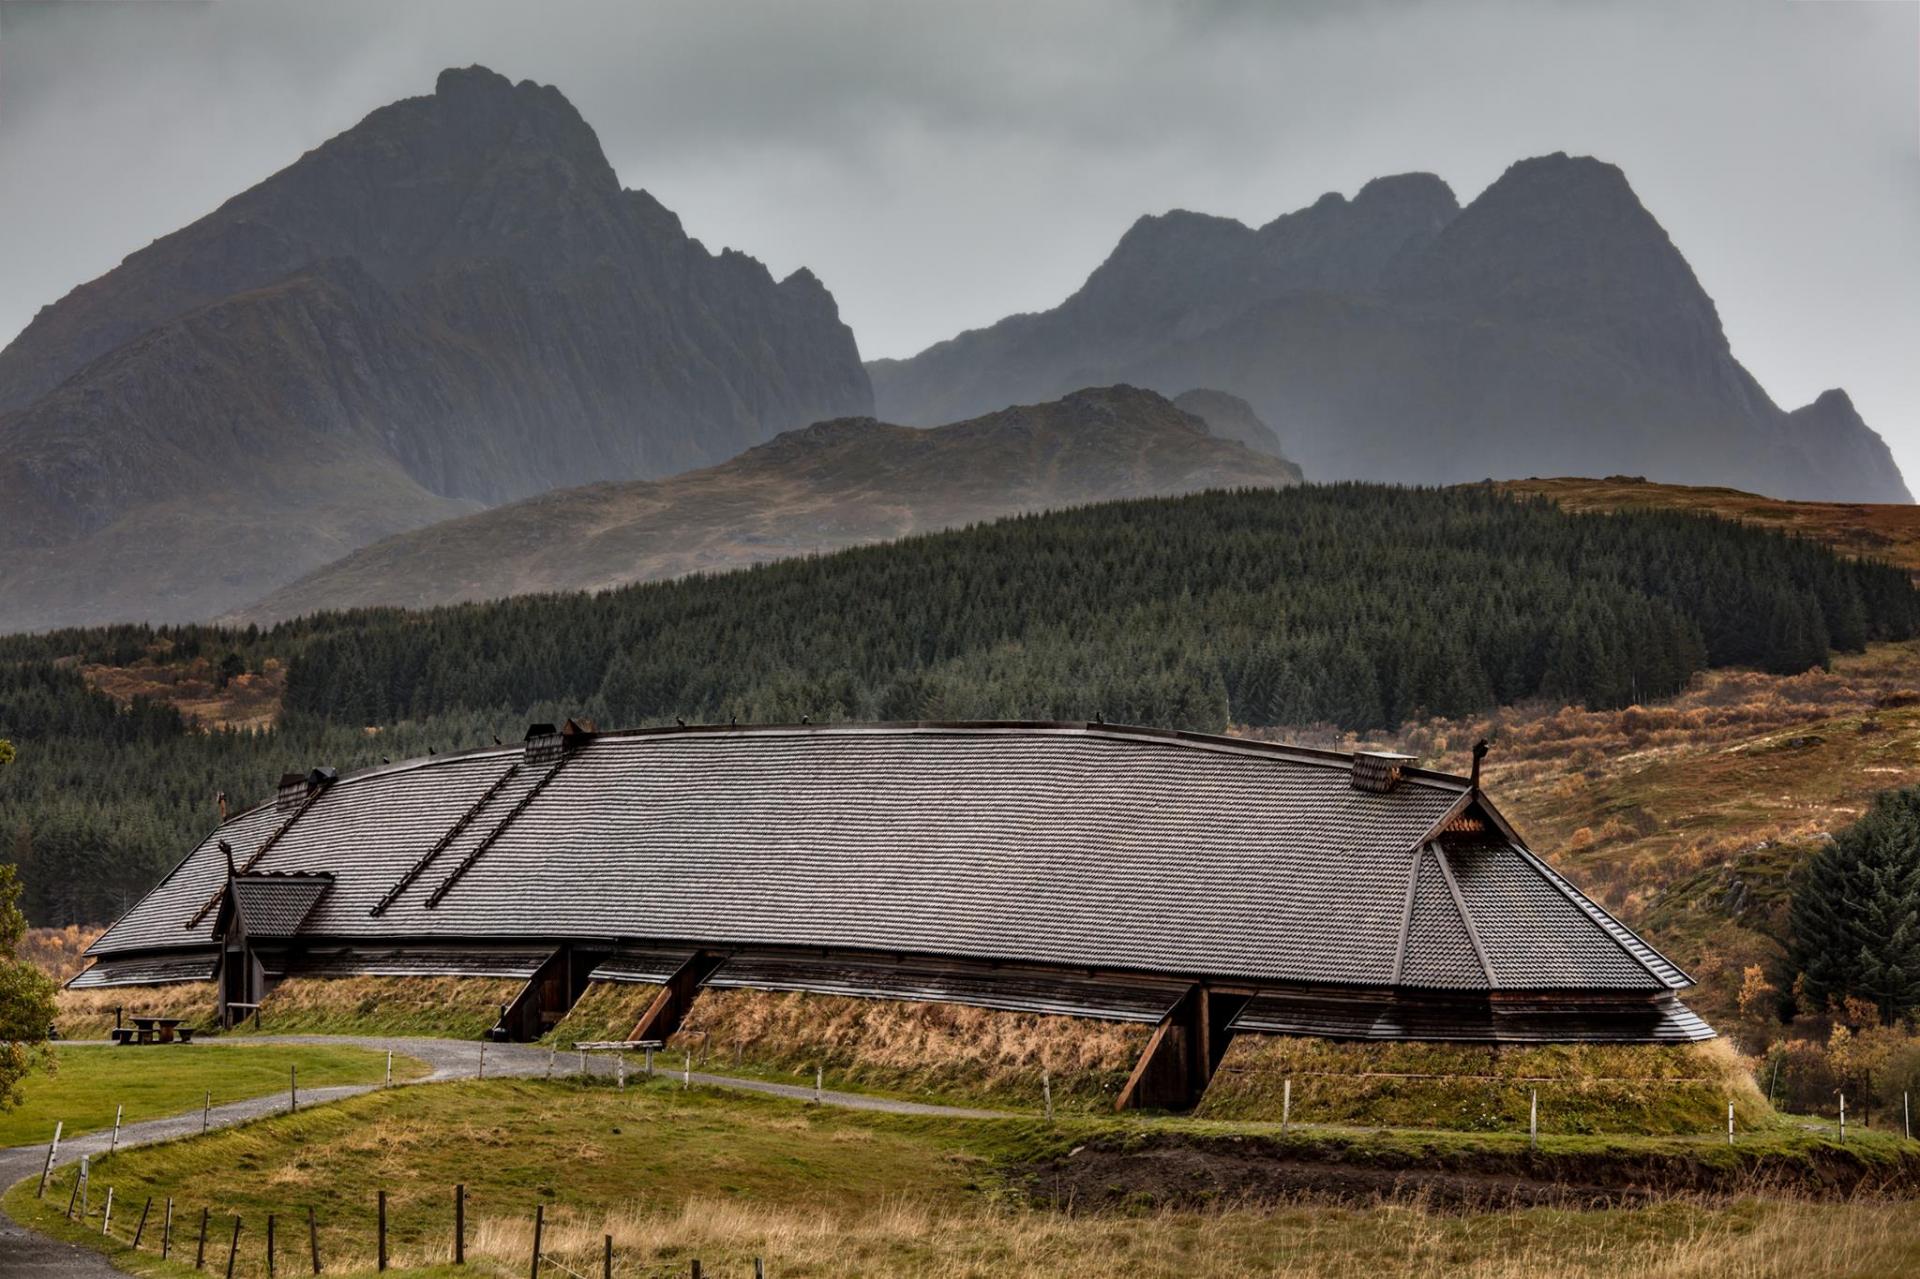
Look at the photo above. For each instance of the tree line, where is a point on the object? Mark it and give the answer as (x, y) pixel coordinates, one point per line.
(1355, 605)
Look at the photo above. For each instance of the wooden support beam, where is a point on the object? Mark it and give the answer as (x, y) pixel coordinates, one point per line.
(663, 1015)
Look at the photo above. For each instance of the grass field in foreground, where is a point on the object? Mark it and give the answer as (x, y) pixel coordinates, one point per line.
(724, 1177)
(156, 1080)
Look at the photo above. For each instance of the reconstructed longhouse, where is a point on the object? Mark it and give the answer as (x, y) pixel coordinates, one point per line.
(1203, 886)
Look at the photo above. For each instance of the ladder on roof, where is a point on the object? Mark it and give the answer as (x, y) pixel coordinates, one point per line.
(467, 862)
(441, 845)
(313, 797)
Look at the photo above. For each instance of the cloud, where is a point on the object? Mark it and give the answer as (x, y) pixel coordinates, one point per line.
(941, 165)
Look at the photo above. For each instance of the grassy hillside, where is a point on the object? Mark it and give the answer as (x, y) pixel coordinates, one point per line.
(827, 486)
(677, 1175)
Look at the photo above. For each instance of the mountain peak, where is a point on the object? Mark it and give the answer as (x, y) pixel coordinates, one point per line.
(1564, 240)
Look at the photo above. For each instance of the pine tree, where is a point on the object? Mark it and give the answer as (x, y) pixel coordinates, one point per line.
(1856, 920)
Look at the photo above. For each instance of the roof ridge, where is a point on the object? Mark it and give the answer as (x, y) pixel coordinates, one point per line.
(1615, 931)
(1406, 913)
(1466, 917)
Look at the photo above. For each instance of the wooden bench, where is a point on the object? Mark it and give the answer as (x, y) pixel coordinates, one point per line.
(123, 1034)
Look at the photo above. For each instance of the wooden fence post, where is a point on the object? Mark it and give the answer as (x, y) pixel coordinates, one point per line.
(389, 1069)
(759, 1268)
(115, 1143)
(1046, 1092)
(269, 1246)
(383, 1230)
(819, 1079)
(539, 1217)
(1286, 1105)
(206, 1113)
(620, 1064)
(233, 1247)
(552, 1053)
(166, 1230)
(85, 1187)
(1843, 1122)
(1906, 1114)
(1533, 1119)
(1729, 1123)
(686, 1077)
(141, 1229)
(606, 1260)
(200, 1251)
(73, 1196)
(313, 1238)
(482, 1072)
(53, 1148)
(695, 1271)
(460, 1225)
(106, 1218)
(293, 1089)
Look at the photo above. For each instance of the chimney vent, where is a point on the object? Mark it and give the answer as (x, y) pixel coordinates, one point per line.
(1378, 771)
(295, 787)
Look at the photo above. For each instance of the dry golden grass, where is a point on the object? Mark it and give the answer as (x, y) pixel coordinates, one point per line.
(607, 1010)
(1582, 1088)
(1677, 1241)
(457, 1007)
(948, 1050)
(58, 952)
(88, 1014)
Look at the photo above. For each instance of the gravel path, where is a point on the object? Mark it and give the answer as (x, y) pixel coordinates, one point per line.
(26, 1254)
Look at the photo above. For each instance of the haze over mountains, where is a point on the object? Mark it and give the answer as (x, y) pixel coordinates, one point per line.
(452, 304)
(823, 487)
(1548, 328)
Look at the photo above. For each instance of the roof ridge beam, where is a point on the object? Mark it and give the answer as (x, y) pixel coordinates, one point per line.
(1406, 914)
(1596, 913)
(1466, 918)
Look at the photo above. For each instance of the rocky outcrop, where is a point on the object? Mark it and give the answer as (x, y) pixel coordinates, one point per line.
(826, 486)
(453, 304)
(1549, 328)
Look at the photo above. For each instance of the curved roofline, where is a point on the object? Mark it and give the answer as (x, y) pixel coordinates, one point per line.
(1317, 755)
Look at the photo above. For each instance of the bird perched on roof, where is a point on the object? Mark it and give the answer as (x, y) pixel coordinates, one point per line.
(681, 722)
(806, 719)
(385, 760)
(497, 741)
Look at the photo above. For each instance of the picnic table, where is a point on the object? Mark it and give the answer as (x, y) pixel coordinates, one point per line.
(151, 1030)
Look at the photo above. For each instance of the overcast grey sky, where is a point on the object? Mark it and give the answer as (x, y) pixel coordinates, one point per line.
(941, 165)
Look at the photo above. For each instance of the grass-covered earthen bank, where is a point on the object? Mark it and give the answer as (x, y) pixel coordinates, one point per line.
(677, 1174)
(923, 1050)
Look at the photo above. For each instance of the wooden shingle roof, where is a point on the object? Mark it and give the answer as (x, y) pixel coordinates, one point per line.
(1067, 844)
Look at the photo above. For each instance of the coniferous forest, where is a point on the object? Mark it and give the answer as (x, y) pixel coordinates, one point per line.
(1354, 605)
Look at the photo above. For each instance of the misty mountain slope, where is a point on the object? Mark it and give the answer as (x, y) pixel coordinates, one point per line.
(451, 304)
(826, 486)
(1550, 327)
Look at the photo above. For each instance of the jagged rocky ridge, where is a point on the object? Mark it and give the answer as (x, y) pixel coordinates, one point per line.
(826, 486)
(1550, 327)
(451, 305)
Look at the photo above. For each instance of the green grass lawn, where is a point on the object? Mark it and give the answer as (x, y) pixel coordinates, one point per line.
(155, 1080)
(724, 1176)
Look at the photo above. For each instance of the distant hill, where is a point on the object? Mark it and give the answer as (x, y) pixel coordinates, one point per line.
(1550, 327)
(826, 486)
(451, 305)
(1881, 531)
